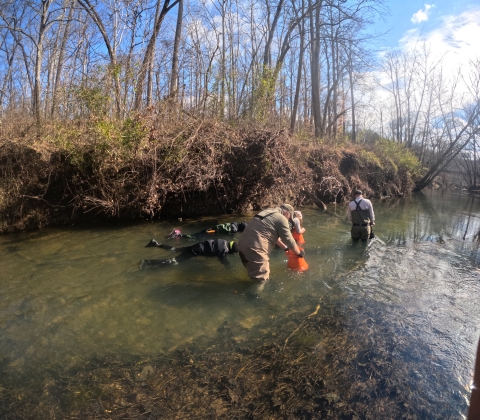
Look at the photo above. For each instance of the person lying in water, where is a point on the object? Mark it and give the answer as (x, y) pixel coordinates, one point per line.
(209, 248)
(225, 228)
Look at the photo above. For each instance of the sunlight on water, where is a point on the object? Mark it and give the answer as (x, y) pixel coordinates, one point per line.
(69, 294)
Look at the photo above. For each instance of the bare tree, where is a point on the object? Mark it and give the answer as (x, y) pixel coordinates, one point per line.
(459, 134)
(65, 32)
(227, 58)
(302, 35)
(42, 19)
(92, 12)
(467, 163)
(150, 49)
(176, 51)
(460, 124)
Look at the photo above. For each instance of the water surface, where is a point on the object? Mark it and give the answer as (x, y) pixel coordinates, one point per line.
(67, 295)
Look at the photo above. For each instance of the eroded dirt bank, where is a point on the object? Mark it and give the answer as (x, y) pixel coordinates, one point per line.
(143, 169)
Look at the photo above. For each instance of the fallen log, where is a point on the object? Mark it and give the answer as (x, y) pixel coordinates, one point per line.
(313, 197)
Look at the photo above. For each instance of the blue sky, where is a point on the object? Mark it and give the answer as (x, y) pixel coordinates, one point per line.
(451, 29)
(451, 23)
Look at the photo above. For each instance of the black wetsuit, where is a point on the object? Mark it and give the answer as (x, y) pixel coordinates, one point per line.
(209, 248)
(223, 229)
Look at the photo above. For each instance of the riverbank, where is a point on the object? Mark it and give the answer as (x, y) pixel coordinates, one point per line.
(151, 167)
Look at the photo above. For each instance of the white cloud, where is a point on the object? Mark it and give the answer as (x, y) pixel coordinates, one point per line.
(456, 36)
(422, 14)
(452, 43)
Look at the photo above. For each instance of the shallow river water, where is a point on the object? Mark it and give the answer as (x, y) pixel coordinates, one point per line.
(67, 295)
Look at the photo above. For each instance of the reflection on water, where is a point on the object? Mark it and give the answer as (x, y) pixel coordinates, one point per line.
(67, 295)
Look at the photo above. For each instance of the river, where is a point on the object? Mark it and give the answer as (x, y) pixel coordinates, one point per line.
(68, 296)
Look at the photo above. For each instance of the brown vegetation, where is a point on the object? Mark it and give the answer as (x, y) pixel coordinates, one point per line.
(157, 166)
(307, 364)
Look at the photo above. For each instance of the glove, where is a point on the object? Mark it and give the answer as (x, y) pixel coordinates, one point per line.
(301, 254)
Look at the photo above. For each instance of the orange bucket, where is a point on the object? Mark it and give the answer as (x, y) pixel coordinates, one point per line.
(296, 263)
(298, 238)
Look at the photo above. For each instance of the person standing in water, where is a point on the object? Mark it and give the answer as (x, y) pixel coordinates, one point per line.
(360, 214)
(298, 229)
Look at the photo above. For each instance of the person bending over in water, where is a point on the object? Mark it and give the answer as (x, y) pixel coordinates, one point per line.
(225, 228)
(268, 228)
(209, 248)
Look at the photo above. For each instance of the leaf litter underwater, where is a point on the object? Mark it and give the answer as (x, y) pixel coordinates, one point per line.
(364, 350)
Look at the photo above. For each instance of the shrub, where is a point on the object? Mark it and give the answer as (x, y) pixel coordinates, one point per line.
(398, 155)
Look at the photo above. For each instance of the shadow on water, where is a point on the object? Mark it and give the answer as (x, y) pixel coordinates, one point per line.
(381, 330)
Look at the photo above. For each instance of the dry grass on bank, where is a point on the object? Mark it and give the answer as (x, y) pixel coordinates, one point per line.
(151, 166)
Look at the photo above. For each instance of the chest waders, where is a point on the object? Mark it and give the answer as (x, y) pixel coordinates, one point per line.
(360, 217)
(264, 217)
(253, 260)
(360, 223)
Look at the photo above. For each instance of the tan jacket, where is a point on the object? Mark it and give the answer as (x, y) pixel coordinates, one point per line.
(260, 235)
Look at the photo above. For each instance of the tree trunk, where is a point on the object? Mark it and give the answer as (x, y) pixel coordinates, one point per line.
(271, 33)
(176, 49)
(61, 60)
(315, 66)
(148, 57)
(455, 147)
(37, 93)
(111, 53)
(296, 100)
